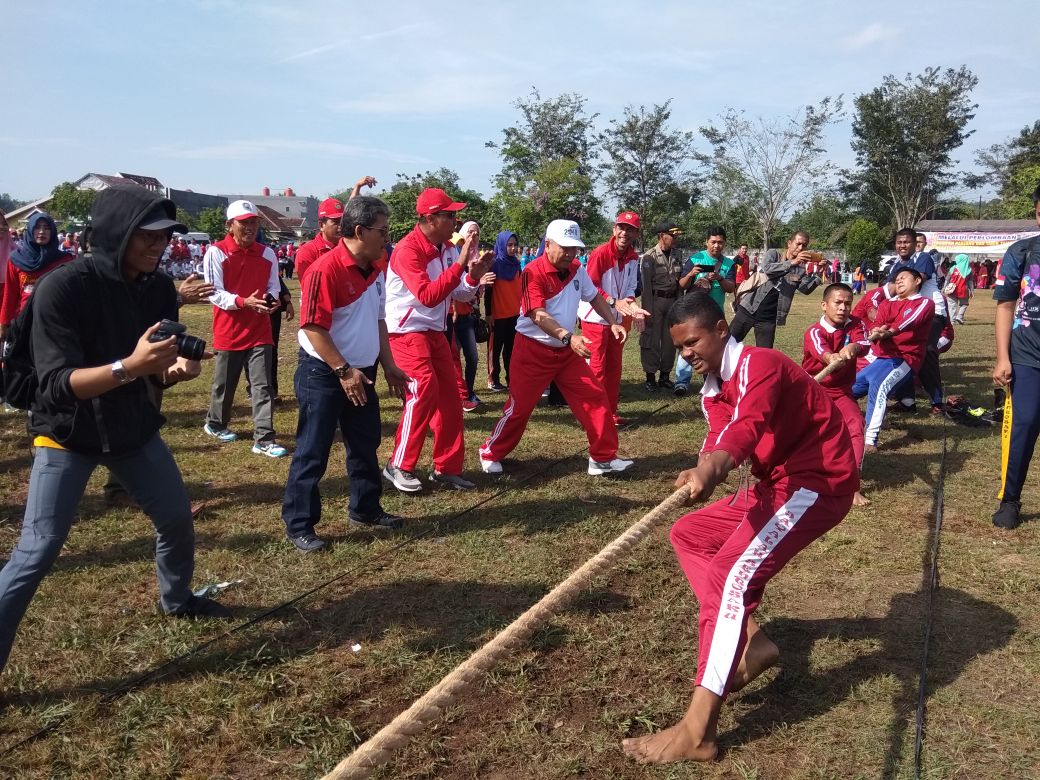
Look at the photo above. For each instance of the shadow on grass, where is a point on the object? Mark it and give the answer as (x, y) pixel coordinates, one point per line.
(801, 692)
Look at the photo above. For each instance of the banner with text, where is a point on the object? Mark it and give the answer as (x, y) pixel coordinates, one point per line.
(972, 243)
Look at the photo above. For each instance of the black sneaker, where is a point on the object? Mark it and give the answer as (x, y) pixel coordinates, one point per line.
(497, 387)
(650, 385)
(308, 542)
(202, 607)
(451, 480)
(681, 390)
(384, 521)
(1007, 516)
(665, 383)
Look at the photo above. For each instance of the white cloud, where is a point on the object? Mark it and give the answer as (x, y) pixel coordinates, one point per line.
(868, 36)
(244, 149)
(397, 31)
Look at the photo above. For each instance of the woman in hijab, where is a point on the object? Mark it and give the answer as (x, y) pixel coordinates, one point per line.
(39, 253)
(959, 286)
(502, 305)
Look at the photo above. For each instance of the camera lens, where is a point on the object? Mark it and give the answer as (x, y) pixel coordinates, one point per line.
(190, 347)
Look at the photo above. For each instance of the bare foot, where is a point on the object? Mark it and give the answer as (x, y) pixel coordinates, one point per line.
(860, 500)
(677, 743)
(760, 653)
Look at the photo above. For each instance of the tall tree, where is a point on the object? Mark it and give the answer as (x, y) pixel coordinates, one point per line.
(547, 166)
(1006, 167)
(865, 241)
(825, 218)
(69, 204)
(774, 165)
(904, 133)
(213, 222)
(7, 203)
(402, 195)
(644, 162)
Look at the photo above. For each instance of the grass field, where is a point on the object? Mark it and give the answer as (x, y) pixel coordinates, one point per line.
(289, 696)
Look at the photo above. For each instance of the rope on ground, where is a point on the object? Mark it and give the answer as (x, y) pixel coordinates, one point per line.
(932, 581)
(377, 750)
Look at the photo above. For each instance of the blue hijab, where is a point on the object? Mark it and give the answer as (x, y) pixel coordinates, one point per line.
(505, 267)
(32, 257)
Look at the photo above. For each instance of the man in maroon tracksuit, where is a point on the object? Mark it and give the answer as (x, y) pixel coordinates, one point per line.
(730, 549)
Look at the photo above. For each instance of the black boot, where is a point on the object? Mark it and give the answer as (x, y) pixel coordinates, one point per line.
(1008, 515)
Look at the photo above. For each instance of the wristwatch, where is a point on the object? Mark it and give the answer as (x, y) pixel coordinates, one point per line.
(566, 340)
(120, 373)
(342, 370)
(611, 300)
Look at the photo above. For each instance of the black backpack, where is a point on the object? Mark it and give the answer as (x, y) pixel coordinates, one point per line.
(20, 381)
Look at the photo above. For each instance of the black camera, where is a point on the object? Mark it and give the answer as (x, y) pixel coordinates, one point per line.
(188, 347)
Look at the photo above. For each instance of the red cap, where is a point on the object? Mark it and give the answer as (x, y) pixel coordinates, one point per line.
(432, 200)
(628, 218)
(330, 208)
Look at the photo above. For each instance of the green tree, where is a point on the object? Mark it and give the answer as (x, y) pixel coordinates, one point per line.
(825, 218)
(1001, 161)
(212, 221)
(402, 195)
(904, 133)
(644, 162)
(69, 204)
(185, 219)
(865, 241)
(547, 168)
(1018, 202)
(773, 165)
(7, 203)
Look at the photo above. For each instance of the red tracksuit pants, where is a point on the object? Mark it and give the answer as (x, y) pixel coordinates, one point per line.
(730, 549)
(532, 367)
(853, 417)
(431, 401)
(605, 361)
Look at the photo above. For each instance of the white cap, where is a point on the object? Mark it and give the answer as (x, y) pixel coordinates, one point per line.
(564, 232)
(241, 209)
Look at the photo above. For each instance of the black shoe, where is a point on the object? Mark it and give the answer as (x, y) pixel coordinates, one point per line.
(451, 480)
(202, 607)
(665, 383)
(1008, 515)
(681, 390)
(496, 387)
(651, 385)
(384, 521)
(308, 542)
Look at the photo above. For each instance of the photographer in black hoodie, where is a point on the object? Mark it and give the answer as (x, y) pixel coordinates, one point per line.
(91, 322)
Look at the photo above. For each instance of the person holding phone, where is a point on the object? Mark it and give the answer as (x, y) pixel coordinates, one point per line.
(768, 305)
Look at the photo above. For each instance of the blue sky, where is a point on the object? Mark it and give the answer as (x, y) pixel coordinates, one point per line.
(221, 96)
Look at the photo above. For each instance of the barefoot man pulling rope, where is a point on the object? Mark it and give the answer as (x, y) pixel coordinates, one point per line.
(764, 412)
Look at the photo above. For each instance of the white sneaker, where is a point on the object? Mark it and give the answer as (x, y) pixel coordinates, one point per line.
(616, 466)
(490, 466)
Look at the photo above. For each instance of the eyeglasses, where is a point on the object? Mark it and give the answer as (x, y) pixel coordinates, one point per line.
(383, 231)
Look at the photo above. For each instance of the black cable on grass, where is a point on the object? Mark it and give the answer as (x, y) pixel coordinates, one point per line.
(938, 505)
(160, 670)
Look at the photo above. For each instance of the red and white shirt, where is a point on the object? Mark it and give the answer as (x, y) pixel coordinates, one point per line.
(310, 253)
(748, 410)
(347, 302)
(912, 319)
(237, 273)
(823, 338)
(615, 277)
(867, 307)
(421, 282)
(558, 292)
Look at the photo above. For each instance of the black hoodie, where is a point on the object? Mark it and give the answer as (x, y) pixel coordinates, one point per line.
(85, 314)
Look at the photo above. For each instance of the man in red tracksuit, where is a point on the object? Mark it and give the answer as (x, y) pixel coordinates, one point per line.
(730, 549)
(546, 350)
(425, 275)
(614, 268)
(330, 211)
(839, 337)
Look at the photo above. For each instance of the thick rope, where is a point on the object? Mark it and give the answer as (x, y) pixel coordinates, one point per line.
(377, 750)
(830, 369)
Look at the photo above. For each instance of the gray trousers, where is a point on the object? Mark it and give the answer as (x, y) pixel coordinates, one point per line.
(56, 485)
(656, 351)
(226, 372)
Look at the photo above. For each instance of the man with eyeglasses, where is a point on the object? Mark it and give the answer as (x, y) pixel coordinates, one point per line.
(547, 350)
(342, 336)
(425, 274)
